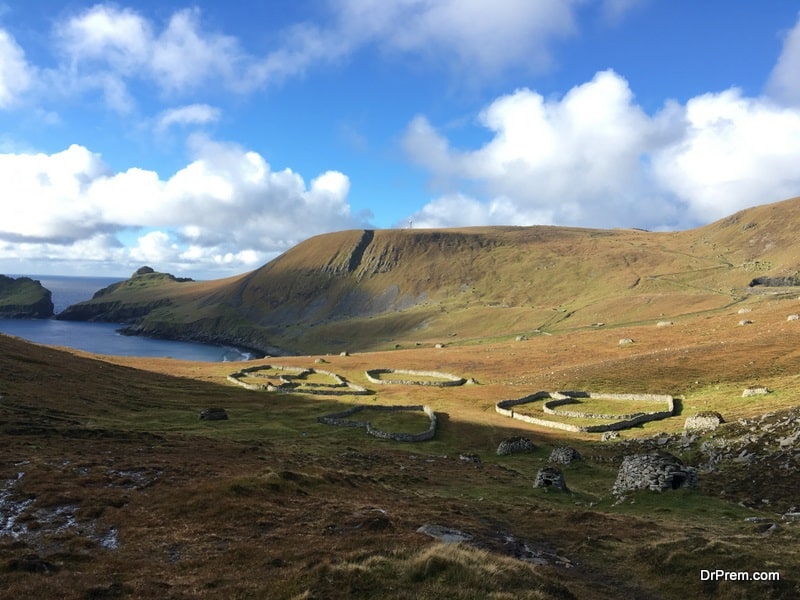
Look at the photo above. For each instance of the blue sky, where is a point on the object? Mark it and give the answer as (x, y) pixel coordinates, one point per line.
(205, 139)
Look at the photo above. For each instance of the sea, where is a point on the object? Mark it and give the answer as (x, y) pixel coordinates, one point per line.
(103, 338)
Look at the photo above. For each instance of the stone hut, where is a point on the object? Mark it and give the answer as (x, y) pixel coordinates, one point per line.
(550, 477)
(564, 455)
(657, 472)
(515, 445)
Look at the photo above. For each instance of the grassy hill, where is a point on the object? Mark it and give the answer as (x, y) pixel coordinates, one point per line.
(24, 298)
(112, 487)
(370, 290)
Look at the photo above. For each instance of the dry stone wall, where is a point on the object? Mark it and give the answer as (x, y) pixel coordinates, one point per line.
(443, 379)
(555, 399)
(292, 381)
(341, 419)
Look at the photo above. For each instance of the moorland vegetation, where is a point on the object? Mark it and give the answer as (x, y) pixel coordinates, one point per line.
(111, 486)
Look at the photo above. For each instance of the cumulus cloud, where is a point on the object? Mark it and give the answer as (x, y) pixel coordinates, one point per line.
(226, 207)
(784, 82)
(595, 158)
(105, 47)
(15, 73)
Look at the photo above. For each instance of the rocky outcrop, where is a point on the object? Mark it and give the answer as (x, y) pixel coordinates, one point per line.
(24, 298)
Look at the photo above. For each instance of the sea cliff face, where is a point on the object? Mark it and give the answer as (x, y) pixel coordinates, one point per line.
(24, 298)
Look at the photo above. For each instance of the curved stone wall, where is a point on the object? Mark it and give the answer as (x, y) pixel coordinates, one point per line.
(446, 378)
(555, 399)
(341, 419)
(290, 384)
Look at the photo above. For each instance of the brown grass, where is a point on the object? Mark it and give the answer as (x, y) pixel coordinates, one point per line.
(272, 504)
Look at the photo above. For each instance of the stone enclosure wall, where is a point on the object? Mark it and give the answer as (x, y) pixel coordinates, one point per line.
(556, 399)
(290, 382)
(446, 379)
(341, 419)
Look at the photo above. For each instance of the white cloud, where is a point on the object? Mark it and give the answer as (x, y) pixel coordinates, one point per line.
(479, 36)
(16, 75)
(105, 47)
(784, 82)
(735, 152)
(226, 207)
(193, 114)
(595, 158)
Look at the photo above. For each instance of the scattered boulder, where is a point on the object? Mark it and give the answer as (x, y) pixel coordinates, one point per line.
(625, 341)
(793, 317)
(213, 414)
(609, 435)
(564, 455)
(745, 322)
(470, 457)
(754, 391)
(743, 311)
(515, 445)
(664, 323)
(658, 472)
(521, 338)
(32, 563)
(550, 477)
(706, 420)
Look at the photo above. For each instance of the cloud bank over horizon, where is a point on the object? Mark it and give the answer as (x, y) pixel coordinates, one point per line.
(595, 158)
(189, 90)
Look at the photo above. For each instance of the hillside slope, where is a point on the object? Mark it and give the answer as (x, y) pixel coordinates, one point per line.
(360, 290)
(24, 298)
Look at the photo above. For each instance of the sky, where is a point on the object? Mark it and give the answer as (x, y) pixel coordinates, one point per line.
(204, 139)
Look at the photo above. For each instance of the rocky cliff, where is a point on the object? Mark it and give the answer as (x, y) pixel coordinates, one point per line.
(24, 298)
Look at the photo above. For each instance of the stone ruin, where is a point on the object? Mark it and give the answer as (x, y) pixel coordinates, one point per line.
(564, 455)
(515, 445)
(550, 477)
(441, 379)
(341, 419)
(755, 391)
(657, 472)
(703, 421)
(213, 414)
(292, 380)
(553, 401)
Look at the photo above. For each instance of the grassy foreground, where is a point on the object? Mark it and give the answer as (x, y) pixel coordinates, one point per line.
(111, 487)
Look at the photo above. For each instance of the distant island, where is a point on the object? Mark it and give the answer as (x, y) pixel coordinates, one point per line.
(24, 298)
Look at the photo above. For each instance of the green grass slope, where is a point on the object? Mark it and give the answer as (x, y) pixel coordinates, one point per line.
(367, 290)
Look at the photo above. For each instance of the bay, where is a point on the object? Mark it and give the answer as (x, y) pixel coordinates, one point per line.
(103, 338)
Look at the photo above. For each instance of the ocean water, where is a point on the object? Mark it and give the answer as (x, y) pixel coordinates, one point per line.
(102, 338)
